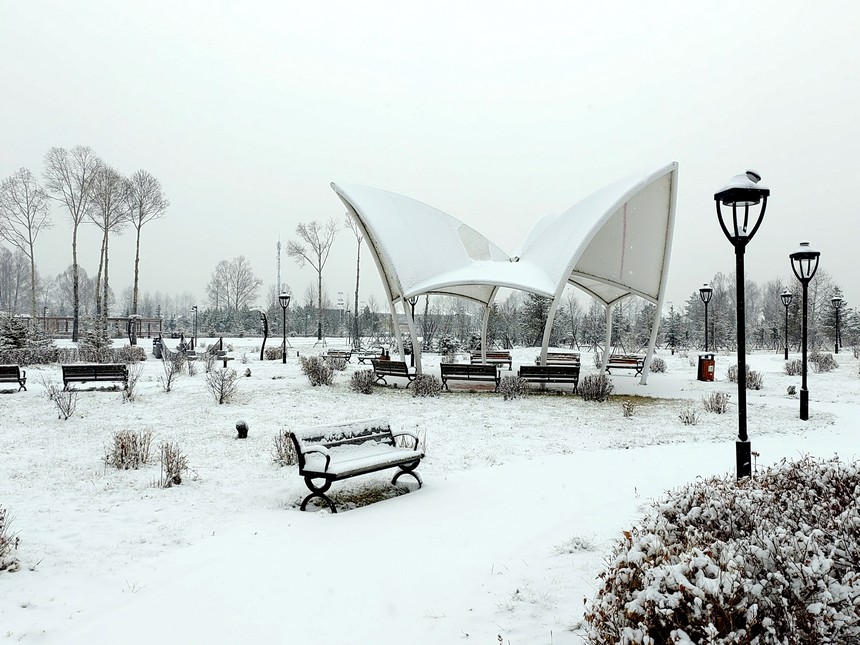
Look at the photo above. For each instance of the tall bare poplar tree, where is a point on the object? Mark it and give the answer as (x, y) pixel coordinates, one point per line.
(319, 238)
(107, 210)
(352, 225)
(69, 175)
(23, 214)
(146, 202)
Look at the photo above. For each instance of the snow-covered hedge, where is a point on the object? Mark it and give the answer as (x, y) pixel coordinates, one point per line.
(768, 560)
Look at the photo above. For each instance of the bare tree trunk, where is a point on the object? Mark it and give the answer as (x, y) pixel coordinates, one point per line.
(32, 284)
(76, 300)
(99, 276)
(319, 307)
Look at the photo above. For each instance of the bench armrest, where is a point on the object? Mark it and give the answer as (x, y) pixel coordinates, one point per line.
(318, 448)
(406, 433)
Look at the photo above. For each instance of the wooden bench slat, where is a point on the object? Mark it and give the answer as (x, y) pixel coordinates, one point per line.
(81, 373)
(381, 369)
(13, 374)
(469, 372)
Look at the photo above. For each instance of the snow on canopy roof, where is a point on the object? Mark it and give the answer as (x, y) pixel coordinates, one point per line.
(612, 244)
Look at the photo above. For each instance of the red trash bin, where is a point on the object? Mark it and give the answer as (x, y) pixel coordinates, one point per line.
(707, 362)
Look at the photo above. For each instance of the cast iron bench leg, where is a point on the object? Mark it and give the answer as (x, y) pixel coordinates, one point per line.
(408, 469)
(318, 491)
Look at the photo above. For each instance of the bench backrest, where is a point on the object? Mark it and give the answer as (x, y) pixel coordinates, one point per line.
(626, 359)
(468, 369)
(549, 371)
(341, 434)
(390, 367)
(95, 369)
(10, 370)
(476, 353)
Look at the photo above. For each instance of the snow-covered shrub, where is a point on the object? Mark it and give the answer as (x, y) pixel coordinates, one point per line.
(513, 387)
(657, 365)
(223, 384)
(284, 450)
(30, 356)
(8, 543)
(128, 354)
(628, 408)
(95, 343)
(822, 362)
(575, 544)
(174, 464)
(274, 353)
(426, 385)
(732, 373)
(130, 449)
(448, 346)
(171, 366)
(362, 381)
(794, 367)
(336, 363)
(64, 400)
(595, 387)
(716, 402)
(720, 561)
(755, 380)
(318, 371)
(130, 391)
(689, 416)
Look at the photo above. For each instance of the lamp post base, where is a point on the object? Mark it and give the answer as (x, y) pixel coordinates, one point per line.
(743, 454)
(804, 404)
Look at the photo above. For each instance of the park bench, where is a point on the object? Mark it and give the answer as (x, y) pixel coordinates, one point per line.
(369, 355)
(625, 362)
(345, 354)
(343, 450)
(81, 373)
(469, 372)
(493, 358)
(560, 358)
(381, 369)
(551, 374)
(13, 374)
(216, 350)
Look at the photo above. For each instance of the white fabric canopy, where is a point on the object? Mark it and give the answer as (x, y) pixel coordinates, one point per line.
(613, 244)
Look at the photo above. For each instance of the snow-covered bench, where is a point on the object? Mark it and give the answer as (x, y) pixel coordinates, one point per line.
(13, 374)
(381, 369)
(82, 373)
(493, 358)
(625, 362)
(343, 450)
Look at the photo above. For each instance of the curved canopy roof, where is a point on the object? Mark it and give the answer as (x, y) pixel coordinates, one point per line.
(612, 244)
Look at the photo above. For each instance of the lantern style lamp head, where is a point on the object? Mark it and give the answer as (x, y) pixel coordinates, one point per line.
(837, 301)
(786, 297)
(284, 299)
(741, 195)
(705, 293)
(804, 262)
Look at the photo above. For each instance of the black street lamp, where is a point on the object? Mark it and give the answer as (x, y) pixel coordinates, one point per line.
(786, 297)
(837, 305)
(284, 300)
(194, 327)
(804, 263)
(412, 302)
(741, 193)
(705, 294)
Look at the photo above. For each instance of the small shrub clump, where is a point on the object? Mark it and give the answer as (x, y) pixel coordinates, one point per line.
(755, 380)
(174, 464)
(822, 362)
(66, 401)
(284, 450)
(657, 365)
(793, 367)
(595, 387)
(426, 385)
(336, 363)
(8, 543)
(513, 387)
(223, 384)
(362, 381)
(134, 372)
(628, 408)
(318, 371)
(129, 450)
(722, 561)
(274, 353)
(716, 402)
(689, 416)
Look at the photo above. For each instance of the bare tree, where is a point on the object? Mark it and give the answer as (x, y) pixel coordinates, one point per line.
(319, 238)
(145, 202)
(14, 280)
(352, 225)
(233, 285)
(107, 210)
(69, 176)
(23, 214)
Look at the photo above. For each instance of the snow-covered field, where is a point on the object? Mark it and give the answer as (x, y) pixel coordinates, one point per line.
(522, 501)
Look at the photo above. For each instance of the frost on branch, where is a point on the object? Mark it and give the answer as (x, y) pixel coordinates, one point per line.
(769, 560)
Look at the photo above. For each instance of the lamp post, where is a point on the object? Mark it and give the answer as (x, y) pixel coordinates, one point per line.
(412, 302)
(194, 327)
(284, 300)
(804, 263)
(739, 195)
(837, 305)
(705, 294)
(786, 297)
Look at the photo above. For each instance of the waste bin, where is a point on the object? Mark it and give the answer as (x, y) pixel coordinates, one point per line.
(156, 347)
(706, 367)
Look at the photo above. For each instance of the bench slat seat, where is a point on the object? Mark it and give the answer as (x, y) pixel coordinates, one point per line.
(345, 354)
(469, 372)
(494, 358)
(334, 452)
(560, 358)
(381, 369)
(625, 362)
(95, 372)
(13, 374)
(551, 374)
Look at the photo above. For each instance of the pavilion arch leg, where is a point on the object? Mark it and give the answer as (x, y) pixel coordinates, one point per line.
(607, 347)
(547, 330)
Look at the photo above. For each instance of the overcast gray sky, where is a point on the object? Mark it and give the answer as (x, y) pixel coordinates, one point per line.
(496, 113)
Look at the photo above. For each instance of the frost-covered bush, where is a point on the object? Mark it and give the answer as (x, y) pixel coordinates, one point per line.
(8, 543)
(716, 402)
(338, 364)
(174, 464)
(135, 370)
(274, 353)
(755, 380)
(129, 449)
(628, 408)
(447, 345)
(223, 384)
(362, 381)
(171, 366)
(127, 354)
(318, 371)
(64, 400)
(426, 385)
(822, 362)
(794, 367)
(767, 560)
(513, 387)
(732, 373)
(595, 387)
(284, 450)
(657, 365)
(689, 416)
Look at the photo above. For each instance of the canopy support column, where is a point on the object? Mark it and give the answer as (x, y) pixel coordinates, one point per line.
(396, 328)
(547, 330)
(608, 346)
(651, 343)
(413, 335)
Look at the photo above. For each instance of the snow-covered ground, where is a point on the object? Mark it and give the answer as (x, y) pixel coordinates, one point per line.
(522, 501)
